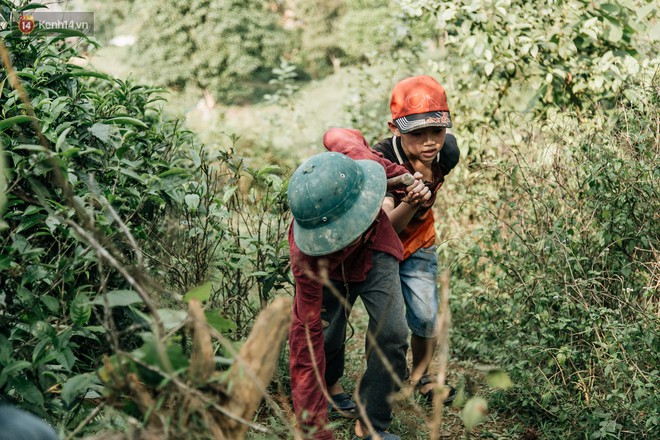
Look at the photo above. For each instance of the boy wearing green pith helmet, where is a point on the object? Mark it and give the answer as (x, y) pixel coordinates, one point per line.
(340, 230)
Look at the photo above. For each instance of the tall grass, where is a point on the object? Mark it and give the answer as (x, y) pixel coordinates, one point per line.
(556, 269)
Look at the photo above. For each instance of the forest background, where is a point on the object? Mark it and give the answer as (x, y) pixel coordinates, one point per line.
(143, 172)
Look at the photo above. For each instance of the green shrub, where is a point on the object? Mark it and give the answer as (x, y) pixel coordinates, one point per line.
(495, 57)
(559, 279)
(112, 214)
(218, 46)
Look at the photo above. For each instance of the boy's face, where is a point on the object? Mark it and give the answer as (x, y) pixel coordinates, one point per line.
(422, 145)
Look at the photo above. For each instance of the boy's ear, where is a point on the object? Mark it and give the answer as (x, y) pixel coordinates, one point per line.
(393, 128)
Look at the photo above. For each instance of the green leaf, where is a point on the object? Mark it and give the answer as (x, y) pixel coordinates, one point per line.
(65, 33)
(87, 73)
(197, 161)
(461, 397)
(15, 367)
(171, 318)
(192, 201)
(118, 298)
(125, 120)
(173, 172)
(474, 412)
(77, 386)
(28, 391)
(6, 350)
(61, 139)
(101, 131)
(3, 193)
(228, 194)
(611, 8)
(77, 73)
(31, 6)
(66, 358)
(80, 310)
(31, 147)
(133, 174)
(498, 379)
(14, 120)
(200, 293)
(52, 304)
(613, 31)
(215, 319)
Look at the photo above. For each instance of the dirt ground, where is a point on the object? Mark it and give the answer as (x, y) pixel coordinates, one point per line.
(412, 418)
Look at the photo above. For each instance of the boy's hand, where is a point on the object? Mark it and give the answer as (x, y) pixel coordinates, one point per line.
(417, 193)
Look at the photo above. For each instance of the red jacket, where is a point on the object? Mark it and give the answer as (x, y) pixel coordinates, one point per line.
(307, 367)
(351, 264)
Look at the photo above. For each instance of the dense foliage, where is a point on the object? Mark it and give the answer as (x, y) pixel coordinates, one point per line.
(498, 56)
(112, 211)
(218, 46)
(115, 216)
(555, 258)
(558, 281)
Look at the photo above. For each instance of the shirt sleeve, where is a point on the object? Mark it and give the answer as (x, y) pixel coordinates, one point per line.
(450, 154)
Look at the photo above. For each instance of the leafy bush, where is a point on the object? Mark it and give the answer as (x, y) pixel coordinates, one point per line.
(495, 57)
(218, 46)
(104, 196)
(563, 269)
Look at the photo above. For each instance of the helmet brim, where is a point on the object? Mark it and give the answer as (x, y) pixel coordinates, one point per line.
(339, 233)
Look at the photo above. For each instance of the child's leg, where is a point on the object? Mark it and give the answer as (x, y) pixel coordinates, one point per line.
(419, 274)
(387, 346)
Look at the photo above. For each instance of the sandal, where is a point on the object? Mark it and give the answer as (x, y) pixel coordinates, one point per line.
(343, 407)
(428, 396)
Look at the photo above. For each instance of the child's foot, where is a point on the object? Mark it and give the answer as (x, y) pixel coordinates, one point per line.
(425, 387)
(360, 434)
(342, 406)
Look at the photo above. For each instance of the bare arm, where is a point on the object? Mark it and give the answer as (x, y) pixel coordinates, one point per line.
(416, 195)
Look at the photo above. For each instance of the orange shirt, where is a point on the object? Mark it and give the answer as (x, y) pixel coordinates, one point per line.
(418, 233)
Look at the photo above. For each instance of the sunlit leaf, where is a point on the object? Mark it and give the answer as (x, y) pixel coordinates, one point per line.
(654, 32)
(498, 379)
(474, 412)
(118, 298)
(201, 293)
(192, 201)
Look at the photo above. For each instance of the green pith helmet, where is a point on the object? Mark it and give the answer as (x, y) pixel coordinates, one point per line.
(334, 199)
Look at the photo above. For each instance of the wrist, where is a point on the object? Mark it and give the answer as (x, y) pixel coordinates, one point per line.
(410, 204)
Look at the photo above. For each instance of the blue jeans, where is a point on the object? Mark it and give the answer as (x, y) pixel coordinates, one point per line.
(419, 284)
(382, 299)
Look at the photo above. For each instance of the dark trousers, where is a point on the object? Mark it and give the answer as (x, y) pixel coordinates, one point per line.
(383, 301)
